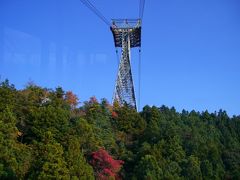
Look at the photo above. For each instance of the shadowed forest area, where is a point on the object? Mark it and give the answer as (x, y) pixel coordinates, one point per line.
(46, 134)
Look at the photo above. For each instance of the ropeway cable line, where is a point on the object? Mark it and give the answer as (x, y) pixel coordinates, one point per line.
(141, 8)
(90, 6)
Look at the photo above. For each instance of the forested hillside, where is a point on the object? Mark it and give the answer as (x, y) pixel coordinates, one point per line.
(46, 134)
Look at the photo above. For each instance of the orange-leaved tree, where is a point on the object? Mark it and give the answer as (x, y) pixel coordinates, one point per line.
(71, 99)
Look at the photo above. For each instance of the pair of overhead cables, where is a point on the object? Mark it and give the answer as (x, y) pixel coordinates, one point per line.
(91, 7)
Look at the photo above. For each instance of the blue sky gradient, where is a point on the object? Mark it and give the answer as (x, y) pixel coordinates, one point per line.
(190, 49)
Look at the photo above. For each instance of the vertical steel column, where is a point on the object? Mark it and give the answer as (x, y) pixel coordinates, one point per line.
(124, 88)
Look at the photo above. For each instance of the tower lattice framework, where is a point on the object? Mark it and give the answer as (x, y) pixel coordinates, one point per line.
(127, 35)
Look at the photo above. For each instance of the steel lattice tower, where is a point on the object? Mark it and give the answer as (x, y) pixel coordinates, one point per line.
(127, 35)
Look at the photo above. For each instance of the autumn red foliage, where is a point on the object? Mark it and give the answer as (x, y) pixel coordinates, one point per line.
(104, 165)
(114, 114)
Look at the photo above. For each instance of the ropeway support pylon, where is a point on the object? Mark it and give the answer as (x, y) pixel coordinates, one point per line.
(127, 35)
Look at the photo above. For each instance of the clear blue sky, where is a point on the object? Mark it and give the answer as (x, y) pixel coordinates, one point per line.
(190, 49)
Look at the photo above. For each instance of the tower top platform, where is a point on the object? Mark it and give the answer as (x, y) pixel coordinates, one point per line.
(129, 27)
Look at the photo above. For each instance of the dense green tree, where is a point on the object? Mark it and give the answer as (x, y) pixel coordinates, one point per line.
(15, 158)
(98, 116)
(207, 169)
(148, 169)
(83, 132)
(7, 95)
(192, 169)
(49, 160)
(76, 162)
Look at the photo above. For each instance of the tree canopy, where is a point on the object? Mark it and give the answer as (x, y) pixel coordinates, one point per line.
(46, 134)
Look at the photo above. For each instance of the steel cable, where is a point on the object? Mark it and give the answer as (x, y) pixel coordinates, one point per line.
(90, 6)
(141, 8)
